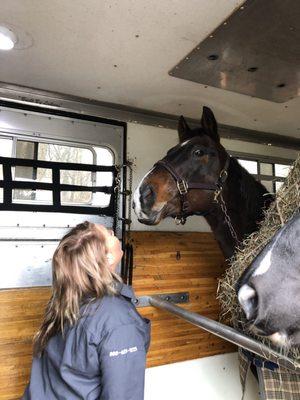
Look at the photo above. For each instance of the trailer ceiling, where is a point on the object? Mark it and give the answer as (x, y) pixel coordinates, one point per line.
(121, 52)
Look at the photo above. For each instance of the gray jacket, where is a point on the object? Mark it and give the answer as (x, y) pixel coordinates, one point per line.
(101, 357)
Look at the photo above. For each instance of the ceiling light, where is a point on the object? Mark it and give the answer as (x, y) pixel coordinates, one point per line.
(7, 38)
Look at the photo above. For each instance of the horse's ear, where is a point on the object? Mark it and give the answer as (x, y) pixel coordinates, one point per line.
(209, 124)
(184, 131)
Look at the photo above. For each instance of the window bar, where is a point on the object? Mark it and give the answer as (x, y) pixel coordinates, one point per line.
(56, 187)
(7, 188)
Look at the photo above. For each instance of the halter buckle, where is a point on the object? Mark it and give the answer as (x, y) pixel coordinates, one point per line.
(223, 175)
(182, 187)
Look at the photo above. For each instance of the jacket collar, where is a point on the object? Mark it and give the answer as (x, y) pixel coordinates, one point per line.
(126, 291)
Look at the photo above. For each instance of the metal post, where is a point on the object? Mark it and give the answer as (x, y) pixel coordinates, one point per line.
(227, 333)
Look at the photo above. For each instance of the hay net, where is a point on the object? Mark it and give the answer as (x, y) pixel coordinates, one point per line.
(286, 204)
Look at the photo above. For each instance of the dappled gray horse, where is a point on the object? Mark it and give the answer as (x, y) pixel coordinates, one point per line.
(269, 290)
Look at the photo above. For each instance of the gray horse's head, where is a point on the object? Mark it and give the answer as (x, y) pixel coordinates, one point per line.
(269, 290)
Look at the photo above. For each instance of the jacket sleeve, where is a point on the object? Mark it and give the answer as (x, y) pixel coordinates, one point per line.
(122, 357)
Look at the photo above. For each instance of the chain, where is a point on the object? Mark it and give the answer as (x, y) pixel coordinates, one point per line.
(126, 271)
(129, 166)
(117, 190)
(219, 199)
(127, 193)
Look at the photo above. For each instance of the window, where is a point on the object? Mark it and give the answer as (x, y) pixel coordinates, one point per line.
(270, 172)
(58, 152)
(34, 220)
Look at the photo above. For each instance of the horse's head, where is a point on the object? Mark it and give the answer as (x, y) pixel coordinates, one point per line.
(269, 290)
(195, 163)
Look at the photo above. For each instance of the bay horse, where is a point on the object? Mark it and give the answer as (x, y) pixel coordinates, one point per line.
(198, 177)
(269, 289)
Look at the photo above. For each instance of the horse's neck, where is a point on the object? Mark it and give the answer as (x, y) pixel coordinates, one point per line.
(221, 232)
(244, 216)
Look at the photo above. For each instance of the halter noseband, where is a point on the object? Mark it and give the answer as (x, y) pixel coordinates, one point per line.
(183, 187)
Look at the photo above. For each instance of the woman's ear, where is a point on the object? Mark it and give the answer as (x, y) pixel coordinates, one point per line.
(110, 258)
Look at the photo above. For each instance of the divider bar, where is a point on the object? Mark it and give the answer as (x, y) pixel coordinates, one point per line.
(227, 333)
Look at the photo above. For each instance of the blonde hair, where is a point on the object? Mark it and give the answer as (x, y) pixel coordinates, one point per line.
(80, 271)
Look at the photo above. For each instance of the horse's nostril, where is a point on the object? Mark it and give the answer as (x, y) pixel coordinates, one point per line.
(148, 191)
(248, 300)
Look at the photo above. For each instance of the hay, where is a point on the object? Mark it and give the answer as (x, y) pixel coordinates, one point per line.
(281, 210)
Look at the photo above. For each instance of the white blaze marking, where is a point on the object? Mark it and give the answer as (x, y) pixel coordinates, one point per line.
(245, 293)
(136, 198)
(264, 264)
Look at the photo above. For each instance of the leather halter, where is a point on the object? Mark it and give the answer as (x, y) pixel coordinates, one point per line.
(183, 187)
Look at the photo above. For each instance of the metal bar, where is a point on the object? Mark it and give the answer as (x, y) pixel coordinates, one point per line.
(16, 95)
(179, 298)
(24, 162)
(63, 187)
(7, 191)
(101, 211)
(227, 333)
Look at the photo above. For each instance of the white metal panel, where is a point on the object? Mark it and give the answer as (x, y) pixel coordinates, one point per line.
(28, 239)
(208, 378)
(121, 52)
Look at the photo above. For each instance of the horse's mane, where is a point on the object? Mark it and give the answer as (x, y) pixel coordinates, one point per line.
(254, 195)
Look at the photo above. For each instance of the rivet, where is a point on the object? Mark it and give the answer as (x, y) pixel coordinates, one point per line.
(252, 69)
(213, 57)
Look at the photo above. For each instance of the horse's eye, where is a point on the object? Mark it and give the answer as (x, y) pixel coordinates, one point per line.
(198, 153)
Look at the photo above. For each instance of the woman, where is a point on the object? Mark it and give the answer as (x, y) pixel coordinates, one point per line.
(92, 343)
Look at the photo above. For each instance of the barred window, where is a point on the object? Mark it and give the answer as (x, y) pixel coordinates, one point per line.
(270, 172)
(58, 152)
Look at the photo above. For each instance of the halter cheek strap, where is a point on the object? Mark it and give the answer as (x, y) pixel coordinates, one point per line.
(183, 187)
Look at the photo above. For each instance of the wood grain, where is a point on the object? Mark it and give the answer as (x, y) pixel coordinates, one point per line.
(166, 262)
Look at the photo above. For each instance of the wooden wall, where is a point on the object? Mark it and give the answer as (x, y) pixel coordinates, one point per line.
(164, 262)
(20, 315)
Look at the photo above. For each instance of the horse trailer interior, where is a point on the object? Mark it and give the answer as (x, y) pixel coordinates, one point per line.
(90, 97)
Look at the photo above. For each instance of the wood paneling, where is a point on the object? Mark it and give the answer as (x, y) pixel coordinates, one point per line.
(20, 315)
(164, 262)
